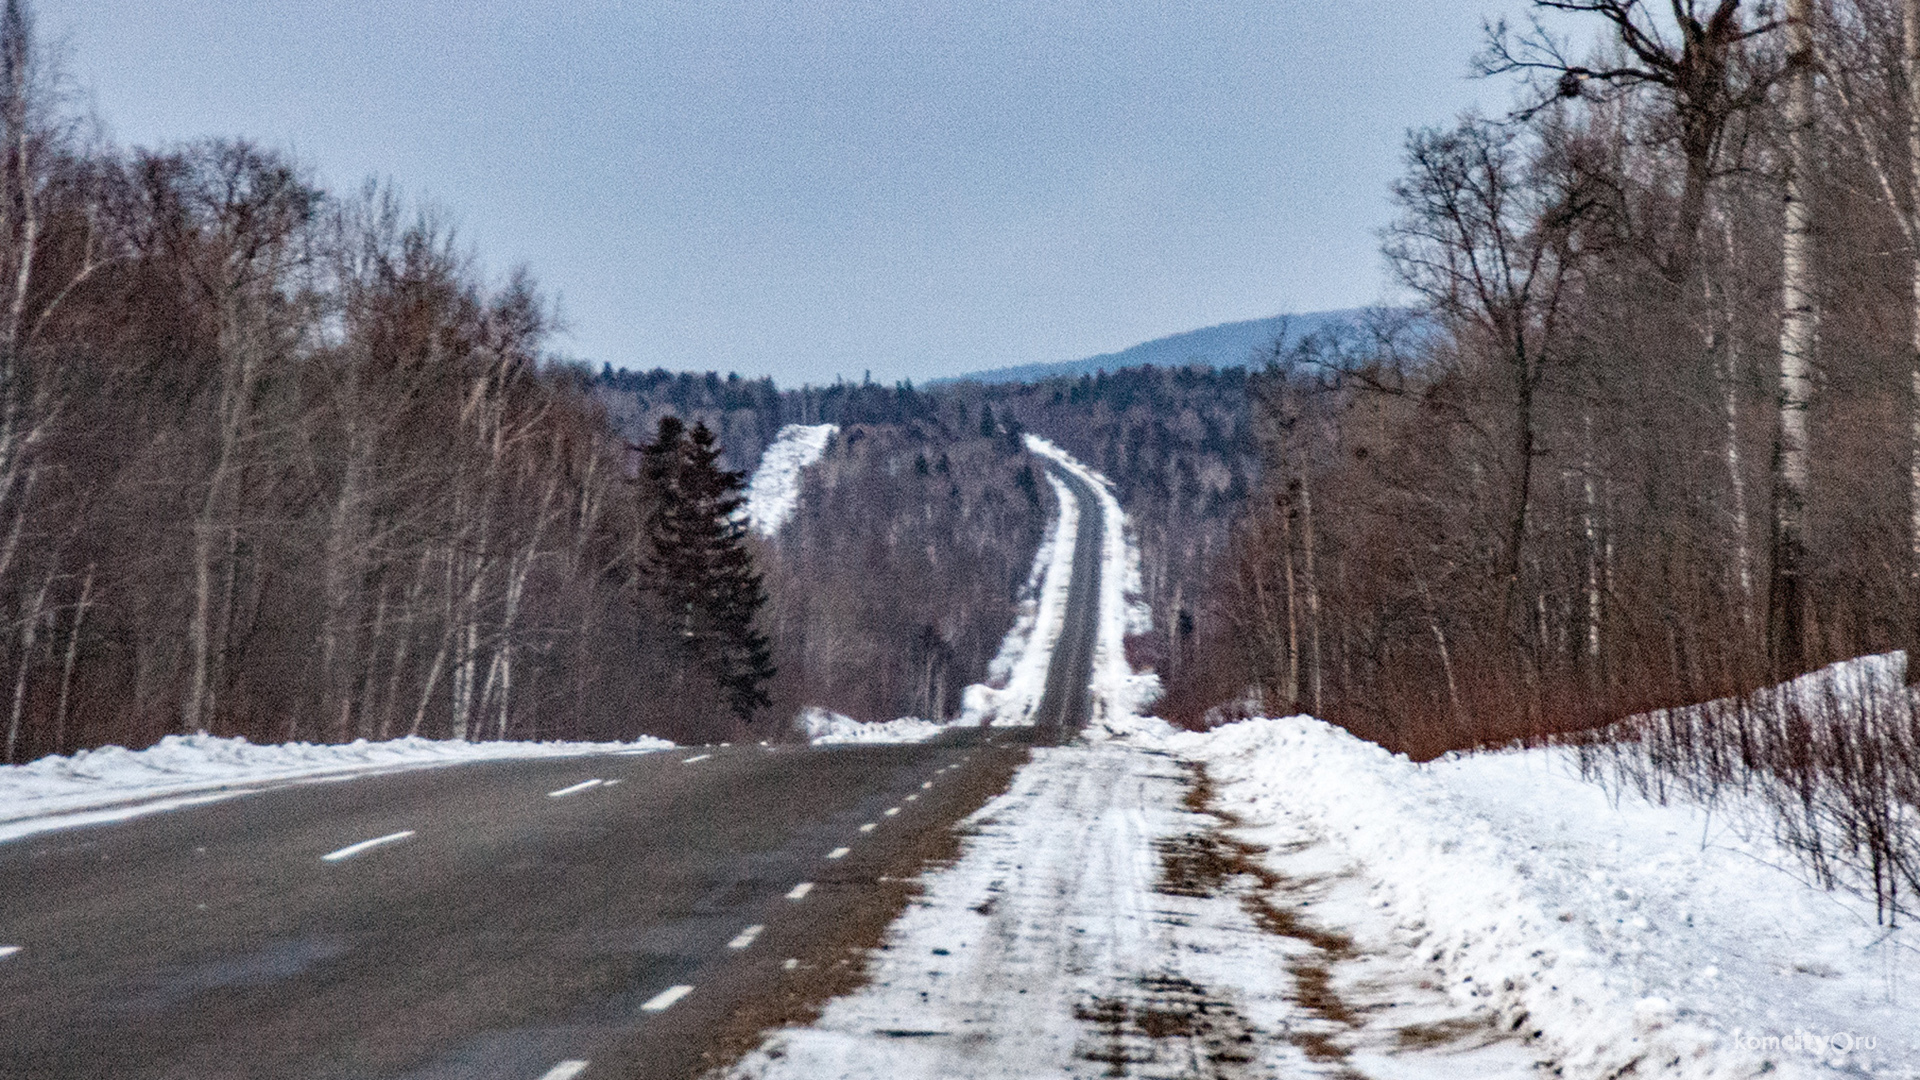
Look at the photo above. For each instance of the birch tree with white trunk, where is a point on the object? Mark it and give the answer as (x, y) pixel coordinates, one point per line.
(1787, 595)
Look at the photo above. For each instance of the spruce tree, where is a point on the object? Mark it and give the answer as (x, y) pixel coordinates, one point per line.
(698, 565)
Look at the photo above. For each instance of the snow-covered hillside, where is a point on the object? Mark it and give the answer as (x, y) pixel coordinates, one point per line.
(773, 494)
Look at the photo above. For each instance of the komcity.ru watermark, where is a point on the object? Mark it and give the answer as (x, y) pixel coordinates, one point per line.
(1806, 1042)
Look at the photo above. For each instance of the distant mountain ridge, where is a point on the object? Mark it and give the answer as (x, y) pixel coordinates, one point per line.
(1234, 344)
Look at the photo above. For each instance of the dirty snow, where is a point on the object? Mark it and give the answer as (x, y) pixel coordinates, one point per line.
(112, 783)
(823, 727)
(1502, 918)
(774, 492)
(1483, 916)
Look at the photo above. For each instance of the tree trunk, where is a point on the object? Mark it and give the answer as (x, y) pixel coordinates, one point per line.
(1787, 597)
(1311, 583)
(73, 654)
(1910, 62)
(29, 635)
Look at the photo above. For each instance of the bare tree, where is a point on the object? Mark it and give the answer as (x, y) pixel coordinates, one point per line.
(1788, 623)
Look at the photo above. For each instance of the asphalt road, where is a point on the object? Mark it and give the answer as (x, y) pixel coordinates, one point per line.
(610, 916)
(1066, 705)
(513, 931)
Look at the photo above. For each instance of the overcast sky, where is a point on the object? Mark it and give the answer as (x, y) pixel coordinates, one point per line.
(829, 187)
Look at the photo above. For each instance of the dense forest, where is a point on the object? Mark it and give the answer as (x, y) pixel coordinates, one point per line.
(282, 462)
(892, 588)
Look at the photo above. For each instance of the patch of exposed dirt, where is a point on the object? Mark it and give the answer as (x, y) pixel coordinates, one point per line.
(1171, 1029)
(1214, 863)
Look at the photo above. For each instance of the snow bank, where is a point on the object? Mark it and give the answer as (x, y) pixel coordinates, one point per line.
(774, 492)
(1020, 667)
(1664, 941)
(824, 727)
(113, 783)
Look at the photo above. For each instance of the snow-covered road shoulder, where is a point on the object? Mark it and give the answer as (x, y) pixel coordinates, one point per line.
(1615, 938)
(113, 783)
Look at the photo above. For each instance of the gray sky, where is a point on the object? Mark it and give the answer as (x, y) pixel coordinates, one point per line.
(827, 187)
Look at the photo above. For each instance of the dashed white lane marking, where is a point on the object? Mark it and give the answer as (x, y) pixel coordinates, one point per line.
(584, 785)
(746, 937)
(926, 785)
(566, 1070)
(838, 853)
(694, 758)
(800, 891)
(8, 950)
(665, 999)
(625, 753)
(351, 850)
(869, 826)
(792, 962)
(893, 811)
(610, 783)
(913, 798)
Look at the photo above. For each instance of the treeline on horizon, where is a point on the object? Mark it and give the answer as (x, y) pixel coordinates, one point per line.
(281, 462)
(1649, 440)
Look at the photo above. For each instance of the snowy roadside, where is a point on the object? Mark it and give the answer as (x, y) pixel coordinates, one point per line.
(113, 783)
(1276, 897)
(1356, 914)
(1668, 940)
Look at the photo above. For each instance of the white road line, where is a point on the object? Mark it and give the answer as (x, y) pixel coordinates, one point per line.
(610, 783)
(694, 758)
(584, 785)
(869, 826)
(746, 937)
(893, 811)
(926, 785)
(351, 850)
(913, 798)
(625, 753)
(838, 853)
(792, 962)
(665, 999)
(800, 891)
(8, 950)
(566, 1070)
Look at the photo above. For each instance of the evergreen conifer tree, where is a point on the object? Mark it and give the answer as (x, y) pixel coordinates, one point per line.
(698, 566)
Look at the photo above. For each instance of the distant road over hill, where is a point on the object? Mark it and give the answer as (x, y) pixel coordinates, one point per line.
(1227, 345)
